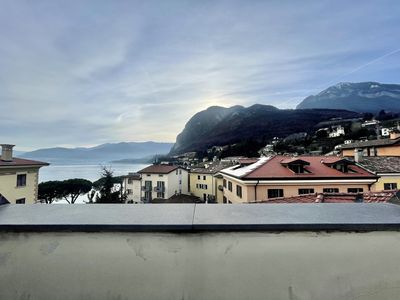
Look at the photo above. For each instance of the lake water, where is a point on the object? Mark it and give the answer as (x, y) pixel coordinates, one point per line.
(90, 172)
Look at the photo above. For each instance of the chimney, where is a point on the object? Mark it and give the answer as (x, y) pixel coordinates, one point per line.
(6, 152)
(358, 155)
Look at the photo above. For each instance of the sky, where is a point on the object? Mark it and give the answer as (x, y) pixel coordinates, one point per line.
(82, 73)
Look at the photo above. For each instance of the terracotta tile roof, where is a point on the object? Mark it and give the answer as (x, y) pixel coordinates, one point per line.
(18, 162)
(246, 161)
(294, 160)
(367, 197)
(159, 169)
(381, 143)
(381, 164)
(318, 168)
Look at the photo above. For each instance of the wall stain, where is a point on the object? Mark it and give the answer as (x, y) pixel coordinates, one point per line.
(137, 248)
(4, 257)
(292, 295)
(49, 248)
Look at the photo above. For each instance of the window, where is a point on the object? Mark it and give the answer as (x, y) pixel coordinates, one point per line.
(306, 191)
(130, 181)
(160, 175)
(224, 183)
(341, 167)
(176, 172)
(180, 171)
(298, 169)
(230, 186)
(198, 177)
(21, 180)
(390, 186)
(205, 186)
(204, 177)
(331, 190)
(239, 191)
(160, 189)
(148, 175)
(275, 193)
(355, 190)
(20, 201)
(129, 191)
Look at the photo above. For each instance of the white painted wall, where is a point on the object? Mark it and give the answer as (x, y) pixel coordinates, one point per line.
(171, 180)
(134, 186)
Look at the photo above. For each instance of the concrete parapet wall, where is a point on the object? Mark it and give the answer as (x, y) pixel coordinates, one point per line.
(207, 265)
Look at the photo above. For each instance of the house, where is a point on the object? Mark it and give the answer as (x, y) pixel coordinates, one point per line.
(206, 183)
(337, 131)
(282, 176)
(387, 168)
(380, 147)
(18, 177)
(163, 181)
(131, 186)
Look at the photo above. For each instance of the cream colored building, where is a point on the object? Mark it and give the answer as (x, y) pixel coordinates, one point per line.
(131, 186)
(387, 168)
(281, 176)
(163, 181)
(18, 177)
(206, 182)
(382, 147)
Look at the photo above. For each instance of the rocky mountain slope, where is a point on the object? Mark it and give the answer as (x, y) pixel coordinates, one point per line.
(223, 126)
(360, 97)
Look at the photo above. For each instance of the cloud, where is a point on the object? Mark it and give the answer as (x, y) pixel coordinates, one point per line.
(89, 72)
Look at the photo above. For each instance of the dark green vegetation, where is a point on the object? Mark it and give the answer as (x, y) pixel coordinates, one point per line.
(249, 127)
(105, 185)
(360, 97)
(100, 191)
(69, 190)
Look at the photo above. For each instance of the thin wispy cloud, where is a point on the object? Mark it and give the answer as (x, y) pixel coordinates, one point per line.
(88, 72)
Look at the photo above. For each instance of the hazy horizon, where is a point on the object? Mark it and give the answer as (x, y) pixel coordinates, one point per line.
(85, 73)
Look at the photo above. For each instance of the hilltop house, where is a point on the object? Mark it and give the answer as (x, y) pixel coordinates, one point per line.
(380, 147)
(18, 177)
(163, 182)
(336, 131)
(283, 176)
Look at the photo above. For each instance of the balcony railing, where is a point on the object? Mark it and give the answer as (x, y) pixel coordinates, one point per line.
(159, 189)
(146, 188)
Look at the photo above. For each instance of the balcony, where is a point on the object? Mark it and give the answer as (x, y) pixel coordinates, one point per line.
(322, 251)
(159, 189)
(146, 188)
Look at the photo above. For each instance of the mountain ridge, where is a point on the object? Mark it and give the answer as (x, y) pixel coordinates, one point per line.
(100, 153)
(364, 97)
(207, 128)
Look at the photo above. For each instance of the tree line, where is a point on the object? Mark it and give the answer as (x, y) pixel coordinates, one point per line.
(100, 191)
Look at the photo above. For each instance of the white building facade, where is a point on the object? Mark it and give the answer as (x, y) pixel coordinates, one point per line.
(163, 182)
